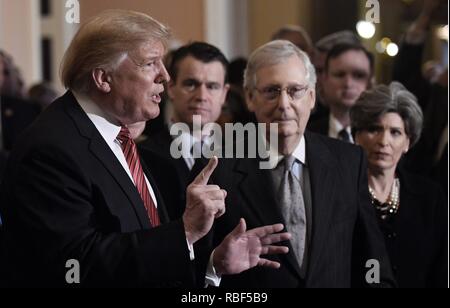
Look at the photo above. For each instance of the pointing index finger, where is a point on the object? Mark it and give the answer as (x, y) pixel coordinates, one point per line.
(203, 177)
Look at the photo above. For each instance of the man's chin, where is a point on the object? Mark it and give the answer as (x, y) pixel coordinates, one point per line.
(349, 103)
(153, 114)
(286, 132)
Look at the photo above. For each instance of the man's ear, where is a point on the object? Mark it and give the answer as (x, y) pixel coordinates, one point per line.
(102, 80)
(312, 98)
(226, 88)
(249, 99)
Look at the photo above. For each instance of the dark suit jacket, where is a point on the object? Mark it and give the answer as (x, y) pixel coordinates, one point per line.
(345, 233)
(176, 174)
(416, 237)
(16, 115)
(66, 196)
(421, 158)
(320, 125)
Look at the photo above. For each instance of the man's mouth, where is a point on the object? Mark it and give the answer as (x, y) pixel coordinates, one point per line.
(156, 98)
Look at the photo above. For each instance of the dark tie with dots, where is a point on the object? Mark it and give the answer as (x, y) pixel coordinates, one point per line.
(131, 155)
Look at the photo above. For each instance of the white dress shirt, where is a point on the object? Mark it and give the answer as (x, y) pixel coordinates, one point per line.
(335, 127)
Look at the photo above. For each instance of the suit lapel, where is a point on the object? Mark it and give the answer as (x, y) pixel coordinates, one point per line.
(101, 150)
(322, 174)
(256, 188)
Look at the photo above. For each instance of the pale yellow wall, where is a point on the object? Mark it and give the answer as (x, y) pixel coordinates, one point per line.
(185, 17)
(19, 36)
(266, 16)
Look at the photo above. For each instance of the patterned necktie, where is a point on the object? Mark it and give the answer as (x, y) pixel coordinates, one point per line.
(131, 155)
(292, 205)
(344, 135)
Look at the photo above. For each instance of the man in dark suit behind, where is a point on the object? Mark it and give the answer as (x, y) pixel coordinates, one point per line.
(198, 88)
(321, 195)
(75, 190)
(348, 72)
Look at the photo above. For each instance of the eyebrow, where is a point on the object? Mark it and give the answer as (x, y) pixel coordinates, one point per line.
(289, 85)
(192, 79)
(389, 127)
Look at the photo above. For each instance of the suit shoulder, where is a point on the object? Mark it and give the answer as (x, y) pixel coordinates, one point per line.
(336, 146)
(158, 142)
(319, 125)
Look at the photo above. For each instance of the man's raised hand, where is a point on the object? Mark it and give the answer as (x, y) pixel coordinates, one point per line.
(242, 250)
(204, 203)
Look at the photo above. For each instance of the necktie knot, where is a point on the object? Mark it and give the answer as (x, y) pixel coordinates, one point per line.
(124, 134)
(289, 161)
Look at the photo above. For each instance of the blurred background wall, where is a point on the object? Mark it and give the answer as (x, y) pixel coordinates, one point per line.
(36, 33)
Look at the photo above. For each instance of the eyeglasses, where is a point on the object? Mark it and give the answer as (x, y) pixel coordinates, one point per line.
(294, 92)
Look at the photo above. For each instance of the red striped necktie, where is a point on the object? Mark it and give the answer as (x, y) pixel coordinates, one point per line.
(131, 155)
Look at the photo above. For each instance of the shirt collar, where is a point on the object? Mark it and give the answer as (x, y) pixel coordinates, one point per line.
(106, 128)
(299, 152)
(336, 127)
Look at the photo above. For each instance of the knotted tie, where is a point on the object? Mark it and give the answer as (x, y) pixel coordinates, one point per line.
(292, 205)
(131, 155)
(344, 135)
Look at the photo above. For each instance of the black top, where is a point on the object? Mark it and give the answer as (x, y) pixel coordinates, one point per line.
(416, 236)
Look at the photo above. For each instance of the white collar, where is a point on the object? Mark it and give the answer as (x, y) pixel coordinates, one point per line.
(106, 128)
(299, 151)
(335, 127)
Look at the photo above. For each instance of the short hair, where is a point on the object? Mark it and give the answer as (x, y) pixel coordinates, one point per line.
(281, 33)
(340, 49)
(272, 53)
(326, 43)
(201, 51)
(382, 99)
(105, 40)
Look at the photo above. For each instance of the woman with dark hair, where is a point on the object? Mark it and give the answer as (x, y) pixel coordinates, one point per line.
(387, 122)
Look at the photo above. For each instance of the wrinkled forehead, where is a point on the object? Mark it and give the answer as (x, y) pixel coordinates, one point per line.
(288, 71)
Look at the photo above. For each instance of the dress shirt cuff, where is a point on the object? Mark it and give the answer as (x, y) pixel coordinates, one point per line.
(212, 278)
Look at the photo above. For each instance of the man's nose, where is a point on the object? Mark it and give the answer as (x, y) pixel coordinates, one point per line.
(348, 81)
(284, 100)
(201, 93)
(163, 75)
